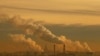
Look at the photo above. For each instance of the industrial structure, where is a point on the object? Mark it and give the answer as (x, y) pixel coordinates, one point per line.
(46, 53)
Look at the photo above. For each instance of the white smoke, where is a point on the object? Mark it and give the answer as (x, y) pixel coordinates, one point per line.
(75, 45)
(29, 29)
(29, 42)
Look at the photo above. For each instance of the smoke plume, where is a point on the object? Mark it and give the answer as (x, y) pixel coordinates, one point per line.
(29, 42)
(29, 32)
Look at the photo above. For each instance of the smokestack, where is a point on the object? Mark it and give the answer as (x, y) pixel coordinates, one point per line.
(64, 48)
(45, 48)
(54, 46)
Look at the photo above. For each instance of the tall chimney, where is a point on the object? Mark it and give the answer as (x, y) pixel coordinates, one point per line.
(54, 46)
(64, 48)
(45, 48)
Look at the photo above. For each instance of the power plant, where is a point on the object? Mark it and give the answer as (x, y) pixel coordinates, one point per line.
(47, 53)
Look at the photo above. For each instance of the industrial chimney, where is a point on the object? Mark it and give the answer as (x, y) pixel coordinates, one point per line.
(54, 46)
(64, 48)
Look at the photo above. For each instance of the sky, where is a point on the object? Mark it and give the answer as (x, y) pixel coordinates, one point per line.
(65, 12)
(77, 19)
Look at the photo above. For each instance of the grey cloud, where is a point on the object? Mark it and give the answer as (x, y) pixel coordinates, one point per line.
(81, 32)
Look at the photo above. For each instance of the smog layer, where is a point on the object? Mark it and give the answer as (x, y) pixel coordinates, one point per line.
(28, 35)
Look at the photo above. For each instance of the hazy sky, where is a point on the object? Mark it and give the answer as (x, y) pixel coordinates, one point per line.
(55, 11)
(85, 12)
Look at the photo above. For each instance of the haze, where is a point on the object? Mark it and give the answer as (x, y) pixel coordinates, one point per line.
(81, 15)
